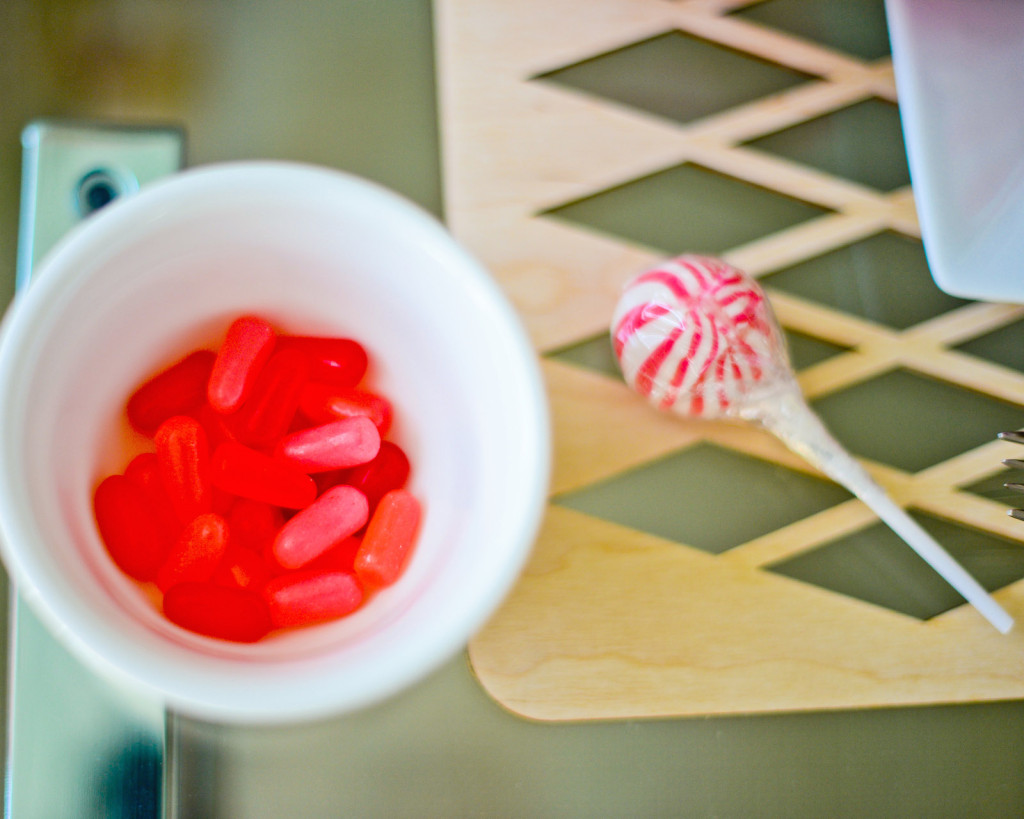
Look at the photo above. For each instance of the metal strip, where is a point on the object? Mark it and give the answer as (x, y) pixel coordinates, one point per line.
(79, 746)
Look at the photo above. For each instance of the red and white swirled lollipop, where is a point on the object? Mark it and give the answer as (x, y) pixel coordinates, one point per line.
(697, 337)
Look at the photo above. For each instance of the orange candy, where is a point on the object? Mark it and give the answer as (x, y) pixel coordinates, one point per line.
(389, 539)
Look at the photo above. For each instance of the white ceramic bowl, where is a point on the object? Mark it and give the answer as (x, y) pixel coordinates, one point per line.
(316, 252)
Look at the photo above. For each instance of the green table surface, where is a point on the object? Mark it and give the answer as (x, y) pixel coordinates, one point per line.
(350, 84)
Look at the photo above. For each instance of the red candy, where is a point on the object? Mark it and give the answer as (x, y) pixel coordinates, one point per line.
(388, 539)
(241, 568)
(336, 514)
(388, 470)
(266, 414)
(217, 426)
(254, 524)
(246, 518)
(227, 613)
(305, 598)
(144, 472)
(338, 361)
(247, 346)
(339, 558)
(183, 457)
(196, 554)
(242, 471)
(322, 403)
(128, 527)
(339, 444)
(178, 390)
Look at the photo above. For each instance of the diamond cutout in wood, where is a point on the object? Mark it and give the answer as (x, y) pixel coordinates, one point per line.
(874, 565)
(1004, 345)
(921, 421)
(687, 208)
(862, 142)
(676, 75)
(709, 484)
(856, 27)
(993, 488)
(594, 353)
(884, 278)
(806, 351)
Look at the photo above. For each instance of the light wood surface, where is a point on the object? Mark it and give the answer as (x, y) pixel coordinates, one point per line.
(608, 622)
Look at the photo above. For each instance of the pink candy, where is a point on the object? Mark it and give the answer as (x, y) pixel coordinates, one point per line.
(335, 445)
(305, 598)
(336, 514)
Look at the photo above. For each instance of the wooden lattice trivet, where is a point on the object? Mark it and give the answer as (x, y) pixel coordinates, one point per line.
(609, 622)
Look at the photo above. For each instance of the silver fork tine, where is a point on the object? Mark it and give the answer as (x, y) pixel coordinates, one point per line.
(1016, 437)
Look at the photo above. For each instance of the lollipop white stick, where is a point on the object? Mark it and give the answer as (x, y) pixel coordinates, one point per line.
(796, 425)
(697, 337)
